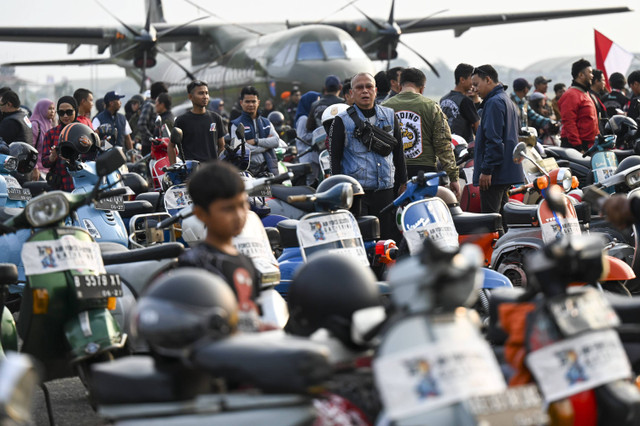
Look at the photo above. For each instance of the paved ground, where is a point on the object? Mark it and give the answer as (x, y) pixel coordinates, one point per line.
(70, 405)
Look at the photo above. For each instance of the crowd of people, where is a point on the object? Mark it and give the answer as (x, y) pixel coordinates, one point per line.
(387, 132)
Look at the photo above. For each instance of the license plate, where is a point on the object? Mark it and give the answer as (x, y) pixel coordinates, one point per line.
(266, 191)
(97, 286)
(584, 311)
(20, 194)
(110, 203)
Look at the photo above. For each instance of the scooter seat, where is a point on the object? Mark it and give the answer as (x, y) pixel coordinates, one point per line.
(37, 187)
(137, 379)
(288, 234)
(621, 154)
(154, 197)
(281, 192)
(568, 154)
(520, 214)
(272, 362)
(132, 208)
(135, 182)
(477, 223)
(369, 227)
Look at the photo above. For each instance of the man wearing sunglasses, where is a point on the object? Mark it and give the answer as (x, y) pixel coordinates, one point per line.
(15, 125)
(111, 116)
(494, 171)
(381, 176)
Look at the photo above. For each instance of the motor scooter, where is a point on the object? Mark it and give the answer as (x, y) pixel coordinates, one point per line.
(570, 348)
(432, 365)
(65, 318)
(530, 227)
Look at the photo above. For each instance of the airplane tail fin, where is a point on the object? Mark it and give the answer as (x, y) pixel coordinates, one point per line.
(157, 14)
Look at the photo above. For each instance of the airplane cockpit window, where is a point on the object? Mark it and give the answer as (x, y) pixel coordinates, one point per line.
(352, 49)
(333, 49)
(284, 56)
(310, 51)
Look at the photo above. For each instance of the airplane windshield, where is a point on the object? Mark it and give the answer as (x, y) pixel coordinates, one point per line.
(333, 49)
(310, 51)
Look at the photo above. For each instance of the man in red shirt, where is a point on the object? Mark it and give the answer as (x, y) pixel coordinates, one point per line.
(579, 116)
(84, 98)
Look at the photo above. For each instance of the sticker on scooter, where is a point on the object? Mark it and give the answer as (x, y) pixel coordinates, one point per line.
(331, 233)
(254, 243)
(585, 311)
(428, 219)
(67, 253)
(177, 198)
(431, 376)
(580, 363)
(15, 191)
(604, 173)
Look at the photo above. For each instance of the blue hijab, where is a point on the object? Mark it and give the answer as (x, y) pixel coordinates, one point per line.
(305, 105)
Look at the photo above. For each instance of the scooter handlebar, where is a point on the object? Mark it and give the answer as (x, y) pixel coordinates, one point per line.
(297, 198)
(518, 190)
(387, 208)
(168, 222)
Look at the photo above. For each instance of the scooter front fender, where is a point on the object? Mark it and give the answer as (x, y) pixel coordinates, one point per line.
(494, 279)
(93, 332)
(619, 270)
(8, 333)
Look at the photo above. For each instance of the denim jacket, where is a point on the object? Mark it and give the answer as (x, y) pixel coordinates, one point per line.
(373, 171)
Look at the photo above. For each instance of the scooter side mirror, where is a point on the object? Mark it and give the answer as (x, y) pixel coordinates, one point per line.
(176, 136)
(110, 161)
(338, 197)
(240, 131)
(519, 152)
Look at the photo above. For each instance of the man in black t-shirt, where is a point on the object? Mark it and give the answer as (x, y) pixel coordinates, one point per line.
(461, 113)
(616, 100)
(203, 131)
(634, 104)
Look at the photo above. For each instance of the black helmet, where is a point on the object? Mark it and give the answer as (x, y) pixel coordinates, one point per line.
(276, 118)
(26, 154)
(107, 132)
(183, 307)
(622, 126)
(76, 139)
(326, 292)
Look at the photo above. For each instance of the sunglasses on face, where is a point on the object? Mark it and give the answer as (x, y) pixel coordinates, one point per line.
(63, 112)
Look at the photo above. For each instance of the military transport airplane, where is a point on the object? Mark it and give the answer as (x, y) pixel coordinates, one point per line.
(270, 56)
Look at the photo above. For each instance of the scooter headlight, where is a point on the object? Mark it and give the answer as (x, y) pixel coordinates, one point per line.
(47, 208)
(633, 179)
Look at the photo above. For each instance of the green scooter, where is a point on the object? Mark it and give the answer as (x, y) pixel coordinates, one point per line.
(65, 320)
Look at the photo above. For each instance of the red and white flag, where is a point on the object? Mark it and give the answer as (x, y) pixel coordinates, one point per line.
(610, 57)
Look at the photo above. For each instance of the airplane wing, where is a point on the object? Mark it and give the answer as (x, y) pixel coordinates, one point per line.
(460, 24)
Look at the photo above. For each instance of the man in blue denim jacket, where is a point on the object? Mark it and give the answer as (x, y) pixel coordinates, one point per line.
(494, 170)
(381, 177)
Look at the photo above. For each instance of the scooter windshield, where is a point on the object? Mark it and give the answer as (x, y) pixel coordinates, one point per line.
(336, 232)
(428, 218)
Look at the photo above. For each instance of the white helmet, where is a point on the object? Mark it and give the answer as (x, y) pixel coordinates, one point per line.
(331, 111)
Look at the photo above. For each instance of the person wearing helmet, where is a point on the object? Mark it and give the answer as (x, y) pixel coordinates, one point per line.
(58, 177)
(183, 307)
(276, 118)
(223, 208)
(426, 136)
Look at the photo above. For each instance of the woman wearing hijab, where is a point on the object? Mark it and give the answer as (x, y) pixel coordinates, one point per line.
(42, 121)
(58, 176)
(303, 140)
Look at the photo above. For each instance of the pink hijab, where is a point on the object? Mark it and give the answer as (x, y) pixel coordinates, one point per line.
(40, 126)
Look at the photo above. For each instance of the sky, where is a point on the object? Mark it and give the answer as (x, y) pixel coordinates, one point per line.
(513, 45)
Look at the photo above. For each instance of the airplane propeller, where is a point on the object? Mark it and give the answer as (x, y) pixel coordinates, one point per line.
(389, 34)
(146, 42)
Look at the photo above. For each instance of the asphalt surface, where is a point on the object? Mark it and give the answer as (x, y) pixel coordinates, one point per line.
(70, 405)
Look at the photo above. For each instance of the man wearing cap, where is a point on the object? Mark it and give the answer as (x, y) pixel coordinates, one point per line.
(497, 136)
(579, 115)
(332, 87)
(110, 115)
(541, 85)
(425, 133)
(528, 117)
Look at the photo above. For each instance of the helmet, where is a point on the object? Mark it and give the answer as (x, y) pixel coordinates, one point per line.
(276, 118)
(26, 154)
(75, 139)
(183, 307)
(326, 291)
(107, 132)
(622, 126)
(330, 113)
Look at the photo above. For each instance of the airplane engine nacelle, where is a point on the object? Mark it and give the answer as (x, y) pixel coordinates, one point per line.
(139, 62)
(383, 54)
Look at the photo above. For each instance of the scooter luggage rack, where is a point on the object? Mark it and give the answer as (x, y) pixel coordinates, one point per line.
(143, 231)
